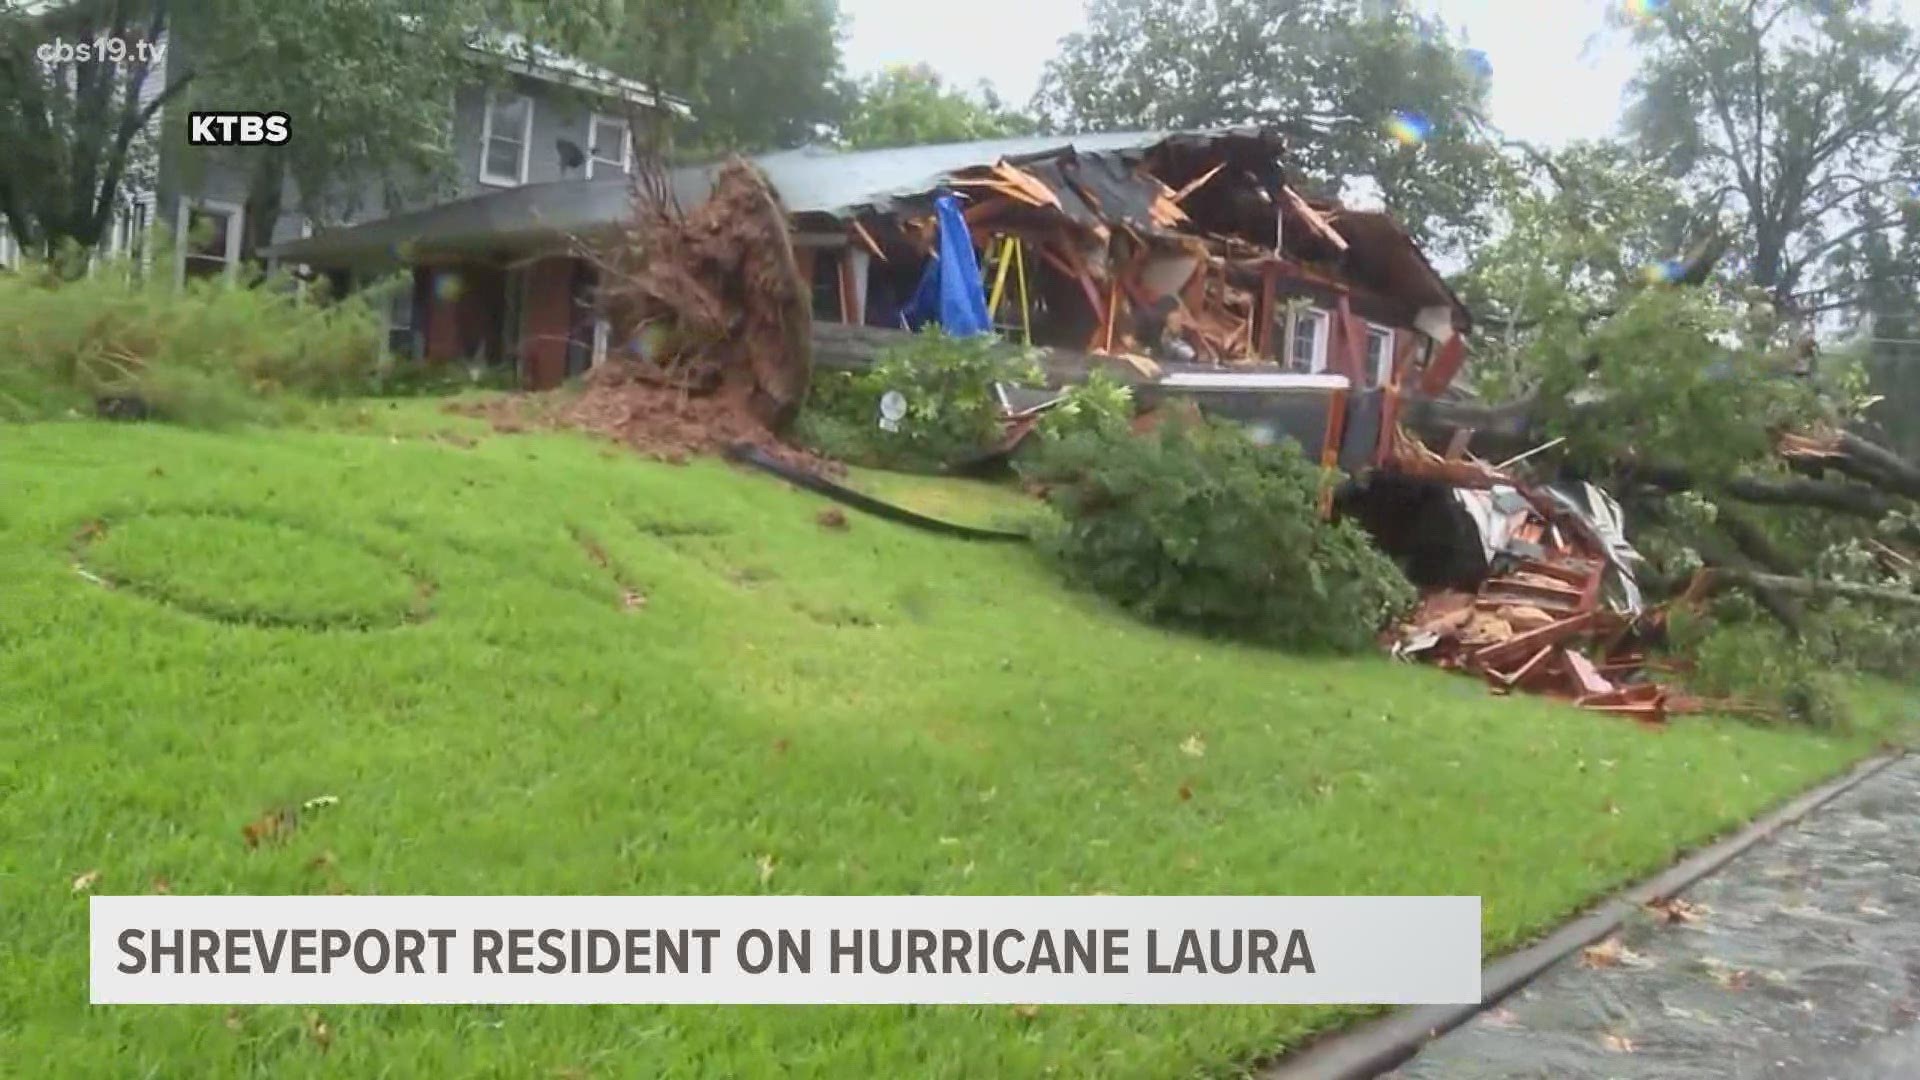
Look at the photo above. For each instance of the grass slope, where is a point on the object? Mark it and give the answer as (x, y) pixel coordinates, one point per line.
(425, 628)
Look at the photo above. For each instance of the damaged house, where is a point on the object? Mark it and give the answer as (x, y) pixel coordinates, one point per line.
(1189, 265)
(1190, 248)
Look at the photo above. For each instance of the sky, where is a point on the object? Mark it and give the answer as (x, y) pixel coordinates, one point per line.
(1552, 81)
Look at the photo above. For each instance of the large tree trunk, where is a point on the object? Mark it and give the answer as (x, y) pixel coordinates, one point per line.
(1812, 588)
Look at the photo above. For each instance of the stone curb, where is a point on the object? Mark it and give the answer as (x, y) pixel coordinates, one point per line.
(1379, 1045)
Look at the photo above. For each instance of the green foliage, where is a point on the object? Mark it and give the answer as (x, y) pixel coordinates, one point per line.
(1332, 74)
(911, 105)
(1196, 526)
(1670, 383)
(212, 353)
(1103, 405)
(1797, 117)
(1875, 638)
(1582, 226)
(1735, 652)
(992, 733)
(952, 411)
(775, 83)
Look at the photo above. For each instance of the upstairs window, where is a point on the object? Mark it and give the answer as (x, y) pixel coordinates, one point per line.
(505, 134)
(211, 239)
(610, 149)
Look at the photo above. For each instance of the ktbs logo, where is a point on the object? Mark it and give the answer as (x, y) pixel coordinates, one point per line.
(238, 129)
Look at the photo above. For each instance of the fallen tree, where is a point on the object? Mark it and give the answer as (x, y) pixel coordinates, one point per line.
(717, 293)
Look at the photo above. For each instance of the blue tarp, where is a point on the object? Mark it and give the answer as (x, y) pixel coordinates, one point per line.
(950, 291)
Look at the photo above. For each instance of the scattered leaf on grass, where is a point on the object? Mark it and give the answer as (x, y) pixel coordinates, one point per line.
(1195, 746)
(765, 863)
(832, 518)
(781, 746)
(161, 884)
(633, 600)
(86, 881)
(319, 1031)
(1186, 793)
(320, 801)
(272, 825)
(234, 1021)
(1026, 1012)
(1617, 1043)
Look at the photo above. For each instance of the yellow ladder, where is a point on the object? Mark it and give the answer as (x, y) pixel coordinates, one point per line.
(1011, 254)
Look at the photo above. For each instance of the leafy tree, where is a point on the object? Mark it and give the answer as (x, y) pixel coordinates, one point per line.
(910, 105)
(1374, 90)
(73, 130)
(367, 86)
(1799, 118)
(774, 82)
(1577, 229)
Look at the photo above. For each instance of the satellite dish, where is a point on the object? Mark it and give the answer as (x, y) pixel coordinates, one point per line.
(571, 156)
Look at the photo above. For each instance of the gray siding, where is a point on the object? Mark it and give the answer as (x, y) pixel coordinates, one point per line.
(203, 174)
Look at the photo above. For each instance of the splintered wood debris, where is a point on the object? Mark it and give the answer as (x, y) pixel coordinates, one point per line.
(1543, 620)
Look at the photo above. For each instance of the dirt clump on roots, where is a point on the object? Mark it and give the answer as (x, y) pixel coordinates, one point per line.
(713, 322)
(622, 401)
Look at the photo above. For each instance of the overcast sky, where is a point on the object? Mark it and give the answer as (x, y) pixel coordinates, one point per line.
(1555, 75)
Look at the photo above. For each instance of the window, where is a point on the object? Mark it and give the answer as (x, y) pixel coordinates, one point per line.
(210, 239)
(611, 146)
(513, 304)
(826, 286)
(139, 216)
(1379, 355)
(9, 251)
(505, 133)
(401, 339)
(1308, 351)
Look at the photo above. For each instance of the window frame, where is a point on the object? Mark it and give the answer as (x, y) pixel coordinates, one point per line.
(487, 136)
(1322, 321)
(405, 299)
(1383, 370)
(236, 228)
(9, 250)
(626, 142)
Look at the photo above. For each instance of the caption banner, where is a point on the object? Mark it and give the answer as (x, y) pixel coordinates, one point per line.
(749, 950)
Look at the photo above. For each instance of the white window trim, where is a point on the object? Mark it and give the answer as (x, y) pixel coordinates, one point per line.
(486, 138)
(235, 227)
(9, 251)
(626, 141)
(1385, 372)
(1323, 321)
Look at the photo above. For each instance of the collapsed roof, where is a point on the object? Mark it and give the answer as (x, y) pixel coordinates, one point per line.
(1227, 188)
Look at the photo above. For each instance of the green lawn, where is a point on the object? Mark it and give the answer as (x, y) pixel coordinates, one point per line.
(537, 665)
